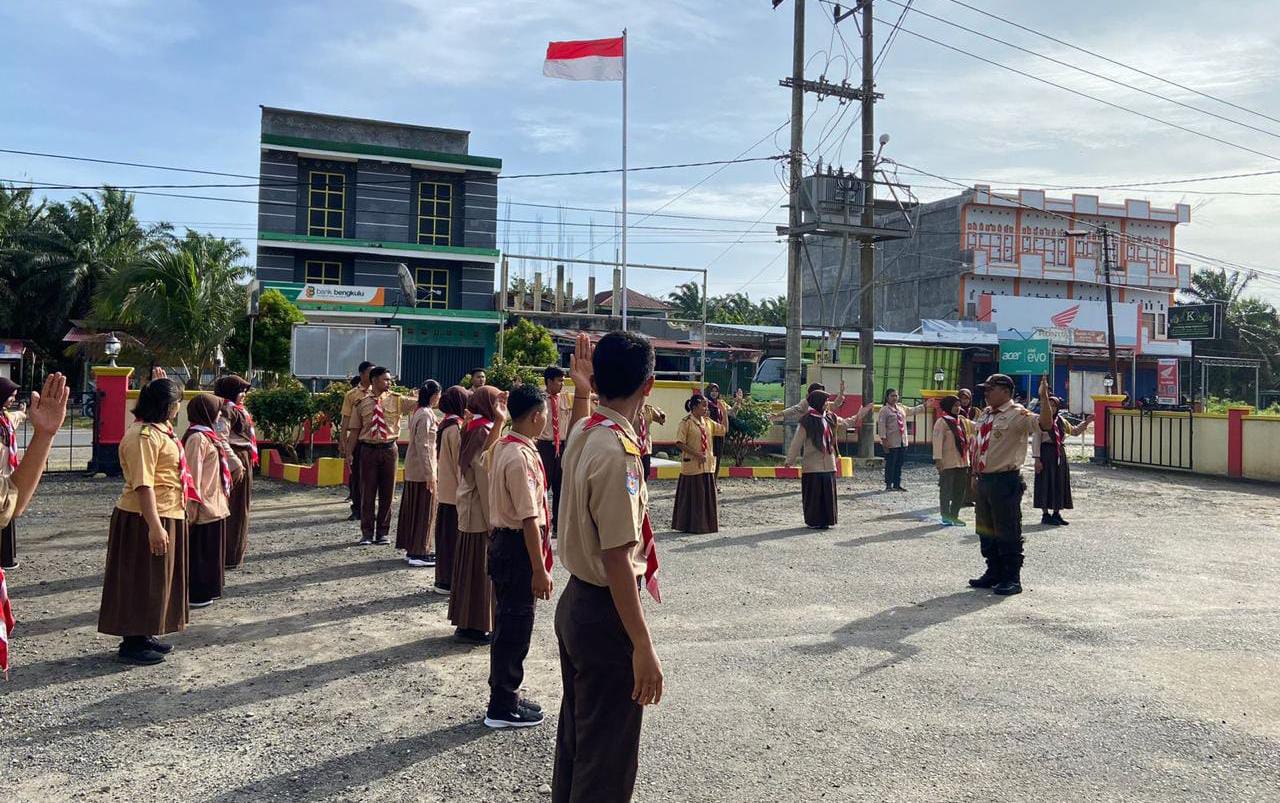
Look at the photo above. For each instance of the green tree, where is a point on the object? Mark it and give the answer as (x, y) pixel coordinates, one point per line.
(182, 302)
(687, 300)
(529, 344)
(272, 337)
(280, 414)
(1250, 328)
(504, 374)
(748, 421)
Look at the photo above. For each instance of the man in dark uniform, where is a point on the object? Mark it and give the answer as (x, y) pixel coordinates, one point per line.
(359, 390)
(1003, 432)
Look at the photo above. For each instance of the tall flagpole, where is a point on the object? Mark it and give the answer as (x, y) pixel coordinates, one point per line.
(624, 179)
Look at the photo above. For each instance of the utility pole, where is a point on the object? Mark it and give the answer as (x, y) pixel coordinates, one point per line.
(867, 309)
(1111, 321)
(791, 387)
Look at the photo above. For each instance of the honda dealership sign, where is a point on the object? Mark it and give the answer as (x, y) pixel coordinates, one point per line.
(1062, 321)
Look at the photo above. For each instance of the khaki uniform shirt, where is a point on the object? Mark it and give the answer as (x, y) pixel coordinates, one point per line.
(473, 495)
(887, 425)
(689, 439)
(1012, 426)
(206, 471)
(651, 415)
(447, 477)
(812, 458)
(8, 500)
(603, 499)
(349, 400)
(420, 457)
(393, 409)
(517, 488)
(149, 459)
(944, 443)
(562, 402)
(15, 421)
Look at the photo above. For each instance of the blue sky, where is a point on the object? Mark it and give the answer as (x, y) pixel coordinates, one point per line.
(179, 82)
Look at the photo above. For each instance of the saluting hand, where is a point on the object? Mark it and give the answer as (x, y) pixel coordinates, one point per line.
(49, 408)
(580, 368)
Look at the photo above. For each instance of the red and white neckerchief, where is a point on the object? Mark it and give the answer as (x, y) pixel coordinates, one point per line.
(953, 423)
(450, 417)
(648, 544)
(380, 428)
(984, 439)
(902, 422)
(252, 433)
(642, 432)
(189, 491)
(477, 422)
(555, 420)
(221, 446)
(828, 436)
(10, 434)
(547, 561)
(1059, 437)
(702, 430)
(6, 624)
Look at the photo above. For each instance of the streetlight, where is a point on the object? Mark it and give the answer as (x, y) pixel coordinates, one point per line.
(1108, 383)
(112, 347)
(938, 377)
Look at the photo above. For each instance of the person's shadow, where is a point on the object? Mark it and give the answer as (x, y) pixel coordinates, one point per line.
(888, 630)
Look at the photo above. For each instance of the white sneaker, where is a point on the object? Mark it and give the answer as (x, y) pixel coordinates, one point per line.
(418, 562)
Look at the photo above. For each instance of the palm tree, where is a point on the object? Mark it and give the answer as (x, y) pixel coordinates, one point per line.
(1250, 326)
(687, 299)
(183, 301)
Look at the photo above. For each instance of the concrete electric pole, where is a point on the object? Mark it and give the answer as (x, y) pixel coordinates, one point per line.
(867, 309)
(1111, 321)
(791, 386)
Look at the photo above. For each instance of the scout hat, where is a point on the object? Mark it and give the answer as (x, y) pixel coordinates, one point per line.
(999, 380)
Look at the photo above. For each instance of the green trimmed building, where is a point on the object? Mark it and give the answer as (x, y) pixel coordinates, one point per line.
(345, 201)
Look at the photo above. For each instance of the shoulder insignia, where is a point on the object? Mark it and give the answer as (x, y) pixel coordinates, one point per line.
(145, 433)
(627, 446)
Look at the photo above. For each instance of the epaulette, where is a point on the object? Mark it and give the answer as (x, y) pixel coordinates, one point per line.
(627, 445)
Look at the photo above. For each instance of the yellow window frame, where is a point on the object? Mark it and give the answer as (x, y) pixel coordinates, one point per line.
(326, 200)
(323, 277)
(432, 211)
(431, 279)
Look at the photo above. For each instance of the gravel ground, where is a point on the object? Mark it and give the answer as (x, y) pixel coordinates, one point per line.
(851, 664)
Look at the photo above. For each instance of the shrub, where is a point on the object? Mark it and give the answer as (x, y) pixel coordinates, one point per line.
(502, 374)
(280, 414)
(748, 421)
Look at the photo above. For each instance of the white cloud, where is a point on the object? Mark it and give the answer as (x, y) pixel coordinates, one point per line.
(124, 27)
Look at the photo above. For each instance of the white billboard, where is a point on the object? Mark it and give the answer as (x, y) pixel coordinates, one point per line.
(1064, 321)
(325, 351)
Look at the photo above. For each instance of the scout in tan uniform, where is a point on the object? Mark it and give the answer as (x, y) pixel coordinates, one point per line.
(697, 506)
(519, 555)
(352, 451)
(453, 403)
(214, 469)
(9, 423)
(236, 426)
(999, 452)
(551, 438)
(375, 425)
(952, 440)
(471, 597)
(608, 665)
(800, 409)
(815, 443)
(645, 419)
(1053, 470)
(144, 586)
(891, 434)
(415, 526)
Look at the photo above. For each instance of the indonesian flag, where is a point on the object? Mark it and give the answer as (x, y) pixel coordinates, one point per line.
(587, 60)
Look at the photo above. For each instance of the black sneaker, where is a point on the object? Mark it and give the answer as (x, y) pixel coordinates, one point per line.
(529, 704)
(365, 541)
(354, 516)
(204, 604)
(899, 488)
(159, 646)
(1045, 518)
(1007, 588)
(520, 718)
(11, 566)
(471, 636)
(430, 559)
(382, 540)
(1058, 520)
(140, 655)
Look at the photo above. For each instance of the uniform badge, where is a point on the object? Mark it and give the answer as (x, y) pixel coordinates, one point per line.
(633, 482)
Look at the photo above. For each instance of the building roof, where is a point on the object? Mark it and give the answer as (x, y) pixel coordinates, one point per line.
(635, 300)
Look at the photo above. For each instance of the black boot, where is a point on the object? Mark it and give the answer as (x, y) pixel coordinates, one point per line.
(1058, 520)
(1011, 580)
(1045, 518)
(989, 578)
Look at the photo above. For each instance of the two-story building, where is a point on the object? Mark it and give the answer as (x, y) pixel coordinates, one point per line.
(345, 201)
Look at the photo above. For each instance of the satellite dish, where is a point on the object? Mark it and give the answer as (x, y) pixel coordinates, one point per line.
(408, 287)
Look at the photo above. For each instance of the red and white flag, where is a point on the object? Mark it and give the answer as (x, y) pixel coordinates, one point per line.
(586, 60)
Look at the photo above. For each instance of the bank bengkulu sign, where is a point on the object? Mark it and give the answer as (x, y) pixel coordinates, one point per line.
(1032, 356)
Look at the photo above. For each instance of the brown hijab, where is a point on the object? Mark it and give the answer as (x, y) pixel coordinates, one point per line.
(452, 402)
(483, 405)
(202, 411)
(813, 423)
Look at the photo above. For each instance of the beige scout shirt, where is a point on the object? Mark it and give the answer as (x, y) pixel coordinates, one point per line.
(420, 457)
(15, 421)
(812, 458)
(473, 495)
(393, 409)
(649, 414)
(206, 472)
(447, 477)
(149, 459)
(1012, 425)
(603, 499)
(349, 400)
(944, 443)
(517, 489)
(8, 500)
(689, 439)
(887, 425)
(560, 404)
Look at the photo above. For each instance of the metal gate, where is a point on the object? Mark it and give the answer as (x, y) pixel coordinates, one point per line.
(73, 445)
(448, 365)
(1158, 439)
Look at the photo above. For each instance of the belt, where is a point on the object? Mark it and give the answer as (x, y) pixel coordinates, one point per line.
(994, 474)
(373, 445)
(508, 531)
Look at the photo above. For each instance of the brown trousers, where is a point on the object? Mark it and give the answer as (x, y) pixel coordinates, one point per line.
(377, 485)
(598, 743)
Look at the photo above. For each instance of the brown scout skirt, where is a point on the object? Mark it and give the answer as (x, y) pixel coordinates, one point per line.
(413, 528)
(471, 593)
(697, 505)
(207, 547)
(1053, 483)
(446, 539)
(818, 498)
(238, 521)
(143, 594)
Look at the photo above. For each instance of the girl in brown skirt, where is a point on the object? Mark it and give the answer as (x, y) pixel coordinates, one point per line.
(1053, 471)
(453, 403)
(718, 411)
(239, 432)
(414, 528)
(144, 587)
(815, 443)
(214, 470)
(471, 598)
(697, 506)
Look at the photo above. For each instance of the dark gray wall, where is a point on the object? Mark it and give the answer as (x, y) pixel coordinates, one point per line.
(384, 202)
(278, 193)
(480, 212)
(366, 132)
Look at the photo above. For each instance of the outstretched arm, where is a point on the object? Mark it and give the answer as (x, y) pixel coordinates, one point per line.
(47, 412)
